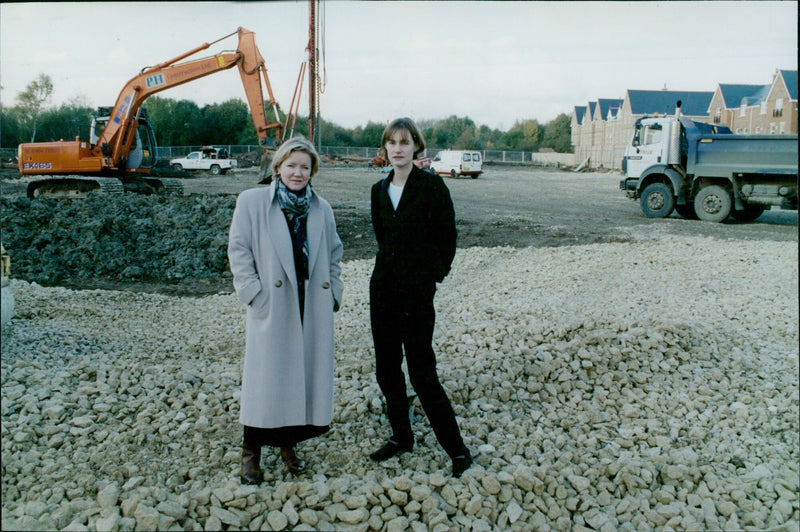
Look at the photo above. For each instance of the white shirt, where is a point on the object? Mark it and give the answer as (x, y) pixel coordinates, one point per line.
(394, 194)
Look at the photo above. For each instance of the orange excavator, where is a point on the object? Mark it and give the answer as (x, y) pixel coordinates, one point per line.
(120, 155)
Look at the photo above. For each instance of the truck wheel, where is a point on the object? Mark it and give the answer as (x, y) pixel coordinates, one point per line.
(453, 174)
(215, 169)
(750, 213)
(686, 211)
(657, 200)
(177, 167)
(713, 204)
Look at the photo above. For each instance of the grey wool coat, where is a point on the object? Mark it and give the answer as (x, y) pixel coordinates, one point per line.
(287, 378)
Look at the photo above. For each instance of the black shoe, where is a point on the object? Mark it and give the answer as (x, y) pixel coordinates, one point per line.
(389, 449)
(461, 463)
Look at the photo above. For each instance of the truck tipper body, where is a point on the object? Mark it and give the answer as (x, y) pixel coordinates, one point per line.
(704, 171)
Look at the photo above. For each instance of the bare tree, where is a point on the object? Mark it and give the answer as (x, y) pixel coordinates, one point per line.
(32, 100)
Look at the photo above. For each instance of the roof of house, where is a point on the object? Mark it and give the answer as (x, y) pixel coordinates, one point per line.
(790, 78)
(732, 94)
(664, 102)
(580, 111)
(607, 104)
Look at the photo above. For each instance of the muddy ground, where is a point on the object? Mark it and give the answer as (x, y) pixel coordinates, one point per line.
(517, 206)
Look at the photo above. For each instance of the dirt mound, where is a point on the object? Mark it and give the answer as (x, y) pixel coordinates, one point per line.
(125, 238)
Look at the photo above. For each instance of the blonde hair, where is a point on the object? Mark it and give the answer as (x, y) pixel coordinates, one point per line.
(290, 146)
(403, 124)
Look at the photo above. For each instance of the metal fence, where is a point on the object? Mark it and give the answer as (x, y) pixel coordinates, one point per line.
(498, 156)
(172, 152)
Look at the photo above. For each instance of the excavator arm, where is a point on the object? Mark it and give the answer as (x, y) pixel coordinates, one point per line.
(115, 140)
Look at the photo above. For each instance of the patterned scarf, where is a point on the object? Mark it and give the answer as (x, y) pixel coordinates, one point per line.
(295, 208)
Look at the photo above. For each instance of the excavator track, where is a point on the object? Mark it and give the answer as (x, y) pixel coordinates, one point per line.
(171, 187)
(74, 187)
(162, 186)
(80, 186)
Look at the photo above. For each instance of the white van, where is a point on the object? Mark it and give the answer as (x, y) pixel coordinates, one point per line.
(455, 163)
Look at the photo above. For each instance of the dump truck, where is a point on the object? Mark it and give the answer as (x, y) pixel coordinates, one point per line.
(704, 171)
(120, 156)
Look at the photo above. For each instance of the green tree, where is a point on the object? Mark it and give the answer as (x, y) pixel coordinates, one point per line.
(32, 100)
(10, 132)
(370, 135)
(175, 123)
(524, 135)
(227, 123)
(66, 122)
(335, 135)
(558, 134)
(159, 111)
(445, 133)
(467, 140)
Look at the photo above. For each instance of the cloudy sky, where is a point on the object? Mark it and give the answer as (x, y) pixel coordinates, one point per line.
(494, 62)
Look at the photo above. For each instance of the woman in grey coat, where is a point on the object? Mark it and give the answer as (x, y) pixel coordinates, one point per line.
(284, 254)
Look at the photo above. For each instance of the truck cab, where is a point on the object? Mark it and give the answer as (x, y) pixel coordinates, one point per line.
(646, 147)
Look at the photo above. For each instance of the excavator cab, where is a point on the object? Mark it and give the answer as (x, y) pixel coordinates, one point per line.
(143, 150)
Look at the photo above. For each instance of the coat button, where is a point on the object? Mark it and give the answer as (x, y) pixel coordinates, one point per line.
(278, 283)
(326, 285)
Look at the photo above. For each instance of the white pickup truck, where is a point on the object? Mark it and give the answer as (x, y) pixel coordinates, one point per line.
(211, 159)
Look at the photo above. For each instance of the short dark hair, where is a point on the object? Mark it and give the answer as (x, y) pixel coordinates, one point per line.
(403, 124)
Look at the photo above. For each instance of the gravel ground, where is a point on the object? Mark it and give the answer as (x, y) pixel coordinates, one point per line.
(592, 400)
(610, 372)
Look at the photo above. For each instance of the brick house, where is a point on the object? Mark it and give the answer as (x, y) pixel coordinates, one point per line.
(602, 129)
(758, 109)
(611, 125)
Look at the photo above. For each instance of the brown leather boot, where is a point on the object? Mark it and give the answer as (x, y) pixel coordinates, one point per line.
(295, 464)
(251, 465)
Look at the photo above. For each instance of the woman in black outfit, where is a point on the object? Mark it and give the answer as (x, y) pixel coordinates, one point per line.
(414, 223)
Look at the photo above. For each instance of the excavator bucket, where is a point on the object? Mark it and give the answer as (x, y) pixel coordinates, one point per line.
(265, 172)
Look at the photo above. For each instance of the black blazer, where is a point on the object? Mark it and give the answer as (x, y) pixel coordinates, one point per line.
(417, 242)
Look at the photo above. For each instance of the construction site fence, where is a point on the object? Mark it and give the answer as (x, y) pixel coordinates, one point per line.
(367, 153)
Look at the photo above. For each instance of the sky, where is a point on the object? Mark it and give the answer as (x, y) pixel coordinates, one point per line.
(494, 62)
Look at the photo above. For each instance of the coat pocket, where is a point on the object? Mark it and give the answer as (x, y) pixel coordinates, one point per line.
(259, 306)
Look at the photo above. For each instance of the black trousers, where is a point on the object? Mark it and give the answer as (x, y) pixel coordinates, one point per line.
(402, 319)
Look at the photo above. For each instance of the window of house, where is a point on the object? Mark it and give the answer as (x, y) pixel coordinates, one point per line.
(743, 109)
(772, 128)
(763, 107)
(758, 130)
(783, 128)
(778, 107)
(717, 116)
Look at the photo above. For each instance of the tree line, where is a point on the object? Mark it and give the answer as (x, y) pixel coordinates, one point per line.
(184, 123)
